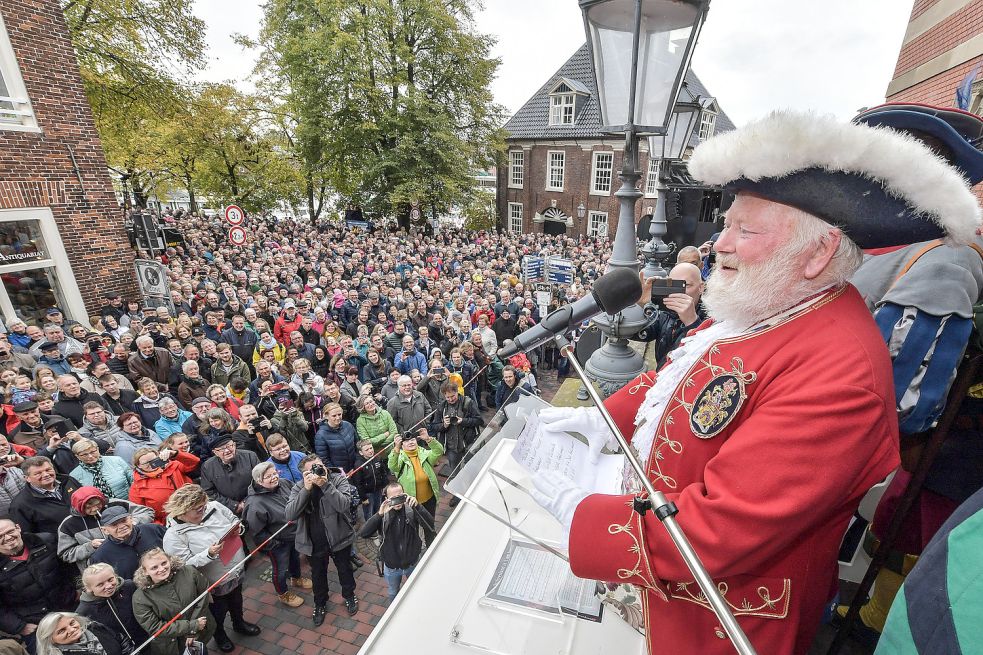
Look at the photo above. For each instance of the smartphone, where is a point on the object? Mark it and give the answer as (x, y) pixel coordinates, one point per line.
(663, 286)
(397, 500)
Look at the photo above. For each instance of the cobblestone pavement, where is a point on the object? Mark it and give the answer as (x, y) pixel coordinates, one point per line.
(291, 630)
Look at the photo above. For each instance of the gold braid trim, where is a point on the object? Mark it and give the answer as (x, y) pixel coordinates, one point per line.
(769, 607)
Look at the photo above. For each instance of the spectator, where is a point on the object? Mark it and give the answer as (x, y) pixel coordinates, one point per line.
(220, 399)
(30, 429)
(264, 372)
(322, 506)
(99, 424)
(117, 399)
(195, 531)
(456, 424)
(289, 321)
(31, 580)
(110, 474)
(157, 474)
(44, 503)
(409, 358)
(511, 388)
(147, 405)
(80, 533)
(67, 633)
(150, 362)
(53, 358)
(397, 522)
(12, 479)
(290, 423)
(125, 541)
(171, 419)
(265, 515)
(242, 340)
(165, 587)
(677, 314)
(95, 371)
(199, 407)
(335, 440)
(374, 424)
(108, 599)
(370, 477)
(251, 432)
(133, 436)
(267, 343)
(61, 437)
(434, 380)
(228, 366)
(332, 394)
(304, 380)
(226, 477)
(413, 467)
(305, 350)
(286, 461)
(351, 386)
(72, 398)
(409, 408)
(191, 385)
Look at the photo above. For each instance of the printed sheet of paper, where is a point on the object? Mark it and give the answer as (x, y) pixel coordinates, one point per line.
(566, 453)
(527, 575)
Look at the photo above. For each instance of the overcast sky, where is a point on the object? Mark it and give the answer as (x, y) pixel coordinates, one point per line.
(754, 55)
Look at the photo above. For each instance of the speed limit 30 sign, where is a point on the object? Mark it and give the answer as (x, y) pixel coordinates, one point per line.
(234, 215)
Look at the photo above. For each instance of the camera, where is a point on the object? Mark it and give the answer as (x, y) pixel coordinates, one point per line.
(319, 470)
(396, 501)
(157, 463)
(94, 346)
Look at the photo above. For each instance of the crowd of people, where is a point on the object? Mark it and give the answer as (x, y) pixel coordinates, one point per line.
(309, 387)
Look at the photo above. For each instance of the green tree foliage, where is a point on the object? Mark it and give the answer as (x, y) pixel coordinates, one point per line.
(390, 99)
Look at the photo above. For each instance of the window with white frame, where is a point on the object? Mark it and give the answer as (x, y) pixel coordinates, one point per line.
(597, 224)
(515, 217)
(555, 162)
(708, 121)
(517, 167)
(601, 173)
(652, 178)
(562, 108)
(15, 108)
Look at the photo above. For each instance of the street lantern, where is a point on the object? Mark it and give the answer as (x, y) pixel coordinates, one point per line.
(672, 145)
(641, 50)
(581, 211)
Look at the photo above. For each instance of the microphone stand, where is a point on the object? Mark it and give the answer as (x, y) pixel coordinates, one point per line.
(666, 512)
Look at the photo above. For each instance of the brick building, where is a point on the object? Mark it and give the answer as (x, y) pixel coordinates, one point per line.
(61, 236)
(942, 45)
(558, 162)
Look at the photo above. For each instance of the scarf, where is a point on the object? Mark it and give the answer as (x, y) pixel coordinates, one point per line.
(88, 642)
(197, 382)
(98, 481)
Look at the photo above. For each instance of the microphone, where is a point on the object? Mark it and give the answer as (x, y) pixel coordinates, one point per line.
(612, 293)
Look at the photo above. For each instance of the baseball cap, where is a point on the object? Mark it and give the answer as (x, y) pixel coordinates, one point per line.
(289, 304)
(113, 514)
(52, 310)
(48, 345)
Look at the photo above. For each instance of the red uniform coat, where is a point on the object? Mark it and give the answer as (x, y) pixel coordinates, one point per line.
(765, 493)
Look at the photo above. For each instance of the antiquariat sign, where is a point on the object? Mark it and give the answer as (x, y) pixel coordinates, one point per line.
(11, 256)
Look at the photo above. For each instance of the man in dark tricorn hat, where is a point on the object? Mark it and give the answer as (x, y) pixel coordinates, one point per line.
(771, 421)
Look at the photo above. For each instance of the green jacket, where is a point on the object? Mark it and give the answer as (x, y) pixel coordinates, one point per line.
(494, 372)
(401, 467)
(372, 427)
(239, 370)
(155, 604)
(293, 427)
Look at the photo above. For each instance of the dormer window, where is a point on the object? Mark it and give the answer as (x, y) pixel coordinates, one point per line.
(561, 108)
(566, 100)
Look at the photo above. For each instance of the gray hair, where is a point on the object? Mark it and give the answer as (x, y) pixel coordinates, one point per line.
(184, 365)
(83, 444)
(46, 630)
(260, 470)
(144, 339)
(166, 400)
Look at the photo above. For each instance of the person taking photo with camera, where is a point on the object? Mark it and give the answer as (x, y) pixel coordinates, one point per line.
(321, 505)
(398, 523)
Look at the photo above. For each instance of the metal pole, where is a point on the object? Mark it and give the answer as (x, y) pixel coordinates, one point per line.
(665, 511)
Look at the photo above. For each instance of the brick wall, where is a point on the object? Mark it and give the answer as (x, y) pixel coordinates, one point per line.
(36, 170)
(576, 188)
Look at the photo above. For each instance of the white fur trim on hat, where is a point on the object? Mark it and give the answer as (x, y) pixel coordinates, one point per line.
(785, 142)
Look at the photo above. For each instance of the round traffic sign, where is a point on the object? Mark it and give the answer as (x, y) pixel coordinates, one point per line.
(234, 215)
(237, 236)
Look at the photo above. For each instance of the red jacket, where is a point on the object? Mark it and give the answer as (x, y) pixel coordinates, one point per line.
(282, 328)
(153, 492)
(764, 498)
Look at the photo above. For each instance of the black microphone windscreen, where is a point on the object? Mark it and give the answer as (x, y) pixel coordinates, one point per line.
(617, 290)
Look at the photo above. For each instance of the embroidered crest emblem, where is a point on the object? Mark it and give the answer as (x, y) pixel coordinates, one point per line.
(716, 405)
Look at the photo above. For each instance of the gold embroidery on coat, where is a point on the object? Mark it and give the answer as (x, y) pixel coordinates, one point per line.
(744, 607)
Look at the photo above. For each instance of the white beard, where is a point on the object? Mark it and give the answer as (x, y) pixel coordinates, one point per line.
(756, 291)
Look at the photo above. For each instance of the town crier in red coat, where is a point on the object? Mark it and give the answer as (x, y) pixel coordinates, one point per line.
(772, 420)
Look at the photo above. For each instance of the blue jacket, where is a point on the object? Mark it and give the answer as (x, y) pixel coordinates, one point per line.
(290, 470)
(125, 556)
(165, 427)
(336, 447)
(59, 366)
(405, 363)
(115, 470)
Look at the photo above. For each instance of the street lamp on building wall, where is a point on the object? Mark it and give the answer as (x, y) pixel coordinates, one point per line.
(640, 50)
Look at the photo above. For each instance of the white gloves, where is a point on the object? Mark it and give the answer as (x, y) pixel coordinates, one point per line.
(583, 420)
(558, 495)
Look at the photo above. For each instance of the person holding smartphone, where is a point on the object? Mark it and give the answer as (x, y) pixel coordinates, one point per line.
(676, 314)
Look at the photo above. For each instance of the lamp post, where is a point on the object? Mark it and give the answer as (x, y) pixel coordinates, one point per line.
(640, 51)
(581, 210)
